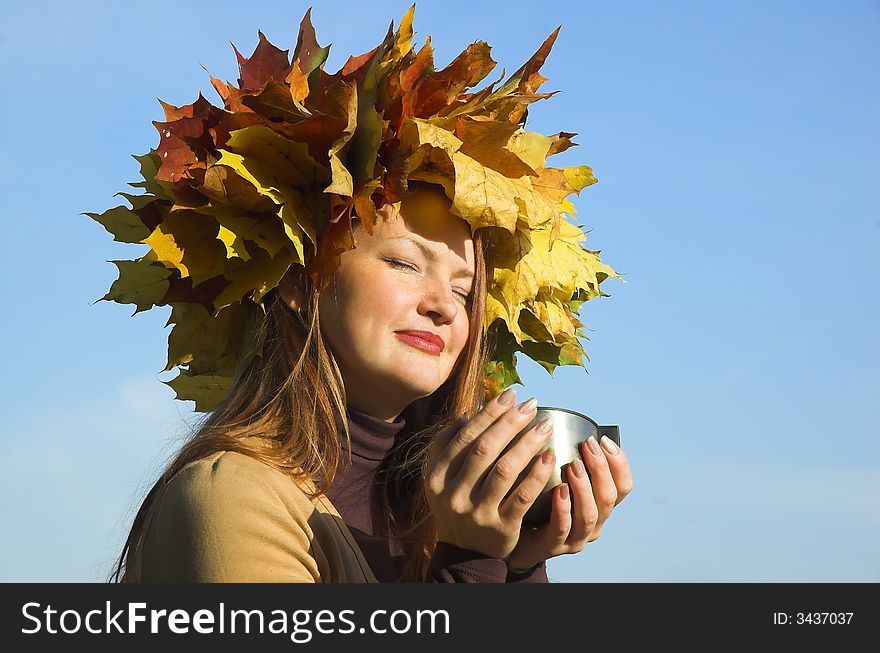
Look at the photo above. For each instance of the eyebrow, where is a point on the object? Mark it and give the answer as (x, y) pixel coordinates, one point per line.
(429, 254)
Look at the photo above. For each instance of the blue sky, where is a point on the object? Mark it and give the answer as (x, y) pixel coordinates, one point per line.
(737, 147)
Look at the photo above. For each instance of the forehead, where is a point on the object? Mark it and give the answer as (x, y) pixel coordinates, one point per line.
(425, 214)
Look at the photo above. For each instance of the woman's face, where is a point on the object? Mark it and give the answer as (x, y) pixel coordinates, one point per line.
(408, 282)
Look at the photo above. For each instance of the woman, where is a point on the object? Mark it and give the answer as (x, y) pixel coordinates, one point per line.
(386, 484)
(353, 260)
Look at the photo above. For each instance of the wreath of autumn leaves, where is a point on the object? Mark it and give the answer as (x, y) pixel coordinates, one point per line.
(234, 196)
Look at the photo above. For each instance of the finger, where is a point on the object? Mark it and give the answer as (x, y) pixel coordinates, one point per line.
(500, 477)
(604, 489)
(523, 495)
(619, 466)
(550, 538)
(595, 534)
(491, 443)
(449, 454)
(585, 513)
(559, 527)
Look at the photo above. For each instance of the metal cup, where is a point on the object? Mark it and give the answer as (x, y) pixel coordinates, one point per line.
(570, 428)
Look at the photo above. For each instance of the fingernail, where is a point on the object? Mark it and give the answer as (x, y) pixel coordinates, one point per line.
(547, 456)
(506, 398)
(609, 445)
(545, 426)
(563, 490)
(528, 406)
(594, 446)
(578, 468)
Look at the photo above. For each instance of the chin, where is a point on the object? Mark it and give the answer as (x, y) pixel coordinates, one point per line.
(414, 386)
(419, 388)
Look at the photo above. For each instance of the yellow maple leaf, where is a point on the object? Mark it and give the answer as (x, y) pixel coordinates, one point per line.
(531, 147)
(342, 182)
(207, 344)
(187, 241)
(253, 278)
(276, 159)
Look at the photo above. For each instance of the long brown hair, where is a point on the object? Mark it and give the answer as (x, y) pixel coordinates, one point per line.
(288, 410)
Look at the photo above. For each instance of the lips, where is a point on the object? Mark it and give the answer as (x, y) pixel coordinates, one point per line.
(424, 340)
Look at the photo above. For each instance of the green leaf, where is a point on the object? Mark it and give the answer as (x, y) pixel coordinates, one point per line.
(125, 226)
(205, 390)
(140, 282)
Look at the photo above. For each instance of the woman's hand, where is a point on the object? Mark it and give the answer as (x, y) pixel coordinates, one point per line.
(466, 481)
(580, 507)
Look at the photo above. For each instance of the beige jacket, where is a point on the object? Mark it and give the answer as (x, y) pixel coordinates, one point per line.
(231, 518)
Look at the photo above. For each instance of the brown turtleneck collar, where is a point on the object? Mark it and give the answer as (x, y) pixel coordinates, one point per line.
(371, 437)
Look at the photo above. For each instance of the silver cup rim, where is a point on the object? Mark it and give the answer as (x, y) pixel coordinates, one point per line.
(572, 412)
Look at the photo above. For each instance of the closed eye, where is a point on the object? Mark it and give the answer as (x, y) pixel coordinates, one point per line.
(397, 263)
(401, 264)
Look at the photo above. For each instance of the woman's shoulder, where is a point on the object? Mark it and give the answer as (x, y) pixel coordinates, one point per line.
(224, 477)
(231, 517)
(225, 517)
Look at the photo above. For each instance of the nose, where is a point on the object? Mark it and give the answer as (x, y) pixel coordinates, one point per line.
(439, 302)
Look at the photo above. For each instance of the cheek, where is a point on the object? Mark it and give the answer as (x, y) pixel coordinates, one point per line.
(339, 309)
(460, 331)
(367, 299)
